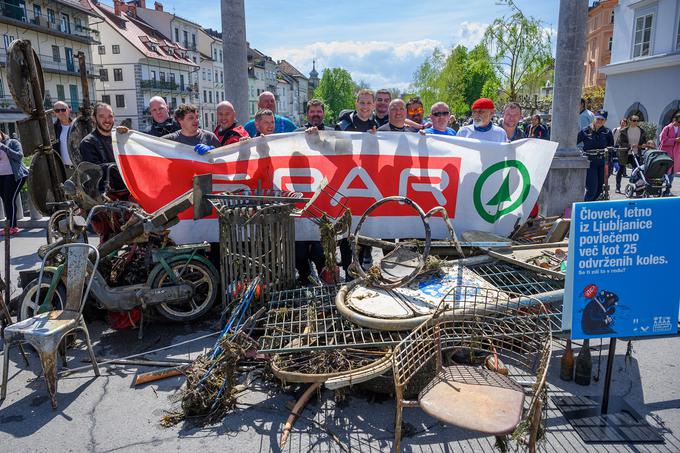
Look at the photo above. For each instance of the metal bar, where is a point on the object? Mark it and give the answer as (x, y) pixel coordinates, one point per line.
(272, 199)
(608, 375)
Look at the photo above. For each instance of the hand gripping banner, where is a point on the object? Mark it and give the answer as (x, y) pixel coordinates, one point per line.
(483, 186)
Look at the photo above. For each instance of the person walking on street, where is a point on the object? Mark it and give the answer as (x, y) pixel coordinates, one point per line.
(595, 136)
(617, 130)
(633, 139)
(161, 123)
(61, 128)
(228, 130)
(669, 141)
(267, 101)
(13, 174)
(537, 129)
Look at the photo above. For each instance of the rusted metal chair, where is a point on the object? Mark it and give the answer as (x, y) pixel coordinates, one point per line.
(491, 351)
(46, 331)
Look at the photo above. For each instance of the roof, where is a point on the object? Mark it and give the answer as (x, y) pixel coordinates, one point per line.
(138, 32)
(289, 69)
(82, 5)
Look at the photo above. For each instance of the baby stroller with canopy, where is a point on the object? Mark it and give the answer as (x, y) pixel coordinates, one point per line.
(650, 176)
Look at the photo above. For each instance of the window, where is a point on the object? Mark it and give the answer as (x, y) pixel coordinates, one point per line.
(174, 103)
(101, 50)
(643, 35)
(120, 100)
(206, 119)
(216, 79)
(55, 54)
(172, 79)
(8, 40)
(60, 93)
(212, 116)
(220, 56)
(37, 12)
(210, 96)
(161, 75)
(115, 49)
(205, 97)
(181, 83)
(117, 74)
(79, 23)
(106, 99)
(50, 16)
(73, 91)
(184, 100)
(609, 46)
(65, 25)
(209, 75)
(186, 38)
(221, 76)
(176, 34)
(153, 75)
(215, 54)
(203, 74)
(611, 17)
(193, 40)
(104, 75)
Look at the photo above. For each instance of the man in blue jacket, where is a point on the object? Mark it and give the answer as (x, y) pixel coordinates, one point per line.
(595, 136)
(267, 101)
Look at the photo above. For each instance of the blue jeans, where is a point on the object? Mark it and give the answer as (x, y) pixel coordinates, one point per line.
(594, 179)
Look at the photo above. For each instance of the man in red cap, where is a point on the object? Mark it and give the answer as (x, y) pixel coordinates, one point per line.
(482, 128)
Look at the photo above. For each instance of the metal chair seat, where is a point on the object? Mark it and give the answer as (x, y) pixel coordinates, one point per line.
(474, 398)
(45, 330)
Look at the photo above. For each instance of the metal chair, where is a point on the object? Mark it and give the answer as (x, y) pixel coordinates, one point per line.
(46, 331)
(498, 347)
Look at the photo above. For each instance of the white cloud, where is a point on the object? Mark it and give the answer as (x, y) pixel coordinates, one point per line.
(380, 63)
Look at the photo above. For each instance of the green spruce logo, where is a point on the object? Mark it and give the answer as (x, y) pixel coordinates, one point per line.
(501, 203)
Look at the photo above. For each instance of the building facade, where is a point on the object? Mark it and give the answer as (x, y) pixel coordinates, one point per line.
(643, 75)
(211, 80)
(58, 31)
(599, 42)
(139, 62)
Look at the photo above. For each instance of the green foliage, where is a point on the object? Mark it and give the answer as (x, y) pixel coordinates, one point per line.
(594, 97)
(650, 130)
(521, 52)
(457, 79)
(336, 89)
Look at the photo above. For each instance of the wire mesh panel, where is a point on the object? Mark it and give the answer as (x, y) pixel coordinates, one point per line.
(508, 277)
(257, 238)
(306, 319)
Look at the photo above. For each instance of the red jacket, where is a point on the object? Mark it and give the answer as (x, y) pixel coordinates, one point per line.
(231, 135)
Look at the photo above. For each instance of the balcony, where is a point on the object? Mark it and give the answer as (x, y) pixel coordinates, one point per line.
(59, 66)
(165, 85)
(187, 45)
(17, 15)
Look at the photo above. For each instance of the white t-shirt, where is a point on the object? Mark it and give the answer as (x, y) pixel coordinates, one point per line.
(495, 134)
(63, 145)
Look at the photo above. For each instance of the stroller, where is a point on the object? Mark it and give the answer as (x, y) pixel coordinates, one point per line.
(650, 176)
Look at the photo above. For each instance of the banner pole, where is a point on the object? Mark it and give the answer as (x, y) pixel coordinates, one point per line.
(608, 375)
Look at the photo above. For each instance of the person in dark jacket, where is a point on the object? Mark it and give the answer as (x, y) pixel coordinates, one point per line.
(316, 113)
(595, 136)
(97, 148)
(633, 138)
(397, 116)
(13, 174)
(382, 104)
(228, 130)
(537, 129)
(360, 119)
(161, 123)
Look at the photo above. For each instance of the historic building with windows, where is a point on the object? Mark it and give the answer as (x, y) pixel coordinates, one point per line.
(599, 42)
(643, 75)
(58, 31)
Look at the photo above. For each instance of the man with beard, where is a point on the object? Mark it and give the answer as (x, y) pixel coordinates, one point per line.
(189, 133)
(397, 116)
(482, 128)
(97, 148)
(511, 116)
(361, 119)
(382, 106)
(315, 116)
(228, 130)
(267, 101)
(161, 123)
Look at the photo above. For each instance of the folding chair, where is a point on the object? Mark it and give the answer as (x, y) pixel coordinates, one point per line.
(46, 331)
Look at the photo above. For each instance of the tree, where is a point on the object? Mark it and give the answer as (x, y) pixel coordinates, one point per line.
(594, 97)
(520, 50)
(336, 90)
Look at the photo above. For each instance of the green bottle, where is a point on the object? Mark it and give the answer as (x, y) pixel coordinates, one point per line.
(584, 365)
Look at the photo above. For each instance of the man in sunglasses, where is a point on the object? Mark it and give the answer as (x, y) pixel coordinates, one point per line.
(161, 123)
(633, 139)
(397, 116)
(382, 106)
(482, 128)
(440, 115)
(61, 128)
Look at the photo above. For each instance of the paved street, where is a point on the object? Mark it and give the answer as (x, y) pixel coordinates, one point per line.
(109, 414)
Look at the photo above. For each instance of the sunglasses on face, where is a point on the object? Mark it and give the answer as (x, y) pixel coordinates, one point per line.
(417, 111)
(633, 121)
(59, 110)
(440, 113)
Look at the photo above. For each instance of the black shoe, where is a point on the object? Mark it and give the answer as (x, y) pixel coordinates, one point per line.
(618, 190)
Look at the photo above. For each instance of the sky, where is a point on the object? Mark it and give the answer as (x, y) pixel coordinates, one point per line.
(380, 43)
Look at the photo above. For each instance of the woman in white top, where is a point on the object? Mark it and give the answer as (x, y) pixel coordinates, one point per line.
(13, 174)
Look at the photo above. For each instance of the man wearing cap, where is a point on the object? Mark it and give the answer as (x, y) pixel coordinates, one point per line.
(482, 128)
(595, 136)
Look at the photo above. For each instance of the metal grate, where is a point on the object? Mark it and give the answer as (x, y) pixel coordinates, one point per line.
(306, 319)
(507, 277)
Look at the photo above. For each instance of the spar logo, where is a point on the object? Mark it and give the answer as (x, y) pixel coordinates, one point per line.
(493, 200)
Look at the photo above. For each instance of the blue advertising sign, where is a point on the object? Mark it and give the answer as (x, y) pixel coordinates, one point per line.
(622, 269)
